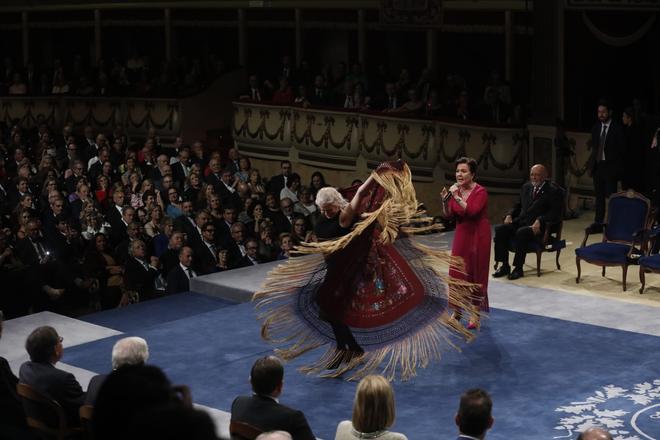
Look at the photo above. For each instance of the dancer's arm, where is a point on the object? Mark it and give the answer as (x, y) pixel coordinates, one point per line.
(347, 214)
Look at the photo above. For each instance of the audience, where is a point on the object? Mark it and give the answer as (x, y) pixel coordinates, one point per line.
(45, 348)
(373, 412)
(263, 409)
(474, 417)
(126, 351)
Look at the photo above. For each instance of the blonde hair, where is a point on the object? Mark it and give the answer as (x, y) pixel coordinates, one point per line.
(330, 196)
(373, 407)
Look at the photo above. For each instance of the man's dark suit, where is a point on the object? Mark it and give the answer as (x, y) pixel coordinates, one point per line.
(177, 280)
(178, 174)
(545, 207)
(11, 411)
(94, 387)
(607, 173)
(228, 198)
(204, 261)
(56, 384)
(276, 184)
(139, 278)
(268, 415)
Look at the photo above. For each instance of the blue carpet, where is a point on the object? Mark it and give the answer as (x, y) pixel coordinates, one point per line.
(531, 365)
(154, 312)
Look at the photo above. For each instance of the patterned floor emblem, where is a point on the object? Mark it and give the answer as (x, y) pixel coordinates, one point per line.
(632, 414)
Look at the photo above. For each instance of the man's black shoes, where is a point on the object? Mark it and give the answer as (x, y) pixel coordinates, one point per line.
(516, 273)
(502, 271)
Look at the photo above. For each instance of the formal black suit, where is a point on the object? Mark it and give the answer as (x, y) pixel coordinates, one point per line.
(94, 387)
(57, 384)
(204, 262)
(177, 280)
(139, 278)
(276, 184)
(247, 262)
(266, 414)
(546, 207)
(228, 198)
(178, 173)
(11, 411)
(606, 170)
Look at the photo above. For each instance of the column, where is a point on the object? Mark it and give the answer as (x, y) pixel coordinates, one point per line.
(168, 33)
(432, 49)
(97, 36)
(25, 37)
(547, 89)
(362, 39)
(508, 45)
(299, 37)
(242, 38)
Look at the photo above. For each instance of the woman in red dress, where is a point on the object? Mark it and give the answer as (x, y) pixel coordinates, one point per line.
(467, 202)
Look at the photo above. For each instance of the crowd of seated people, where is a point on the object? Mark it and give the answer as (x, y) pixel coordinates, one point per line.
(134, 75)
(429, 95)
(137, 400)
(98, 221)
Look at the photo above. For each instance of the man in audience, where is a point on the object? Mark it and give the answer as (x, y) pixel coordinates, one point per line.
(139, 273)
(278, 182)
(45, 348)
(251, 257)
(126, 351)
(263, 409)
(540, 203)
(206, 252)
(474, 417)
(178, 279)
(274, 435)
(595, 434)
(170, 258)
(284, 221)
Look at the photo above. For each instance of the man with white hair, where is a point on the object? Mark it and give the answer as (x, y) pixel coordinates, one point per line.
(126, 351)
(274, 435)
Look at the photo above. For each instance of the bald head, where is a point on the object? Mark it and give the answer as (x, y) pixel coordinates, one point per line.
(595, 434)
(537, 174)
(274, 435)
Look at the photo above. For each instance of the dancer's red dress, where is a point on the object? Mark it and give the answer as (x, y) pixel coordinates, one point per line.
(472, 242)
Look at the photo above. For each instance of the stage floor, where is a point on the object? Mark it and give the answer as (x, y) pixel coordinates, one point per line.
(553, 361)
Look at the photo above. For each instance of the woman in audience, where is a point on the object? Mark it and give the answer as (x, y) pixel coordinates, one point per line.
(204, 196)
(244, 215)
(255, 216)
(193, 186)
(291, 189)
(316, 183)
(101, 194)
(299, 232)
(91, 224)
(268, 248)
(20, 220)
(286, 244)
(223, 260)
(174, 206)
(154, 226)
(244, 169)
(255, 184)
(100, 264)
(373, 412)
(272, 206)
(134, 189)
(162, 239)
(128, 168)
(215, 208)
(49, 185)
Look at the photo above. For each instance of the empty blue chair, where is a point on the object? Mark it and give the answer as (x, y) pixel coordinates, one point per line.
(628, 213)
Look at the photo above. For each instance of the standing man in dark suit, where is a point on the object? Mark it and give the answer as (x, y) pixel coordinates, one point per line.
(474, 416)
(45, 348)
(608, 143)
(278, 182)
(540, 202)
(262, 409)
(178, 280)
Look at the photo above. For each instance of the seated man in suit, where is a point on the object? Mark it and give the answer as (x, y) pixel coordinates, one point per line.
(262, 409)
(126, 351)
(178, 279)
(540, 202)
(45, 348)
(251, 257)
(140, 275)
(474, 414)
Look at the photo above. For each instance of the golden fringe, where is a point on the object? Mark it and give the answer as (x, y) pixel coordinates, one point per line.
(398, 213)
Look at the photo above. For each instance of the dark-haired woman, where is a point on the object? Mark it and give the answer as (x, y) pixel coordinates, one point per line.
(467, 202)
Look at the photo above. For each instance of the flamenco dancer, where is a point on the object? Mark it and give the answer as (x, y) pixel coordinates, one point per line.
(367, 288)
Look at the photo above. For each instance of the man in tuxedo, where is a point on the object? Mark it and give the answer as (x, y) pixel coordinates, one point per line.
(540, 202)
(226, 189)
(170, 258)
(178, 280)
(262, 409)
(319, 95)
(132, 350)
(278, 182)
(215, 176)
(390, 100)
(181, 168)
(232, 163)
(474, 417)
(608, 143)
(139, 274)
(206, 253)
(251, 257)
(283, 221)
(45, 348)
(236, 246)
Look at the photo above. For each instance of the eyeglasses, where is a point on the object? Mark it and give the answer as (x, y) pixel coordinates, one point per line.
(209, 230)
(252, 248)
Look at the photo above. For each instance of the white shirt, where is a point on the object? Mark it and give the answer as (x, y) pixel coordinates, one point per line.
(186, 269)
